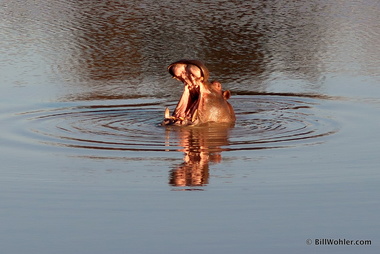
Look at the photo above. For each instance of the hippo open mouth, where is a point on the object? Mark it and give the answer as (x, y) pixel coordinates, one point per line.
(201, 101)
(186, 111)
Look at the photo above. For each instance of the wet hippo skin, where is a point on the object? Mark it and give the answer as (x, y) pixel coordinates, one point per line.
(202, 102)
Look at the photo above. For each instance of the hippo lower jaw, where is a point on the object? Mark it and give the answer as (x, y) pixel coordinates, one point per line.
(173, 120)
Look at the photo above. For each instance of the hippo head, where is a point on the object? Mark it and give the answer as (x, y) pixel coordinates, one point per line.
(202, 101)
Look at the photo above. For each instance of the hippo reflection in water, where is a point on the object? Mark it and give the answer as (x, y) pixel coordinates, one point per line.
(202, 101)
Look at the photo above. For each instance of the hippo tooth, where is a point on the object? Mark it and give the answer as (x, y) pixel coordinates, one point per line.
(195, 115)
(167, 113)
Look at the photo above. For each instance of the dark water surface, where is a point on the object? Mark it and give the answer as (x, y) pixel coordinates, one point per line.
(86, 167)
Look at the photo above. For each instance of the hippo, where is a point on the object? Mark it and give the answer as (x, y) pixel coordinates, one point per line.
(202, 102)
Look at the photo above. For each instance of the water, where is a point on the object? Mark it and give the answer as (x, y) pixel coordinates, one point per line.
(86, 167)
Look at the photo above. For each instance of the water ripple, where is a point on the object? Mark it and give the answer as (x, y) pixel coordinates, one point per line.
(263, 122)
(280, 121)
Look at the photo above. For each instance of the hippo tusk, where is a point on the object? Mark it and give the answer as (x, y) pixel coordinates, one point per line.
(167, 113)
(195, 116)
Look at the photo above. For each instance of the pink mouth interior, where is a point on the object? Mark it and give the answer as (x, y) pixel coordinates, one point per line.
(188, 103)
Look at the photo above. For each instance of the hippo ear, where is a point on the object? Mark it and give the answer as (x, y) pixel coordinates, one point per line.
(226, 94)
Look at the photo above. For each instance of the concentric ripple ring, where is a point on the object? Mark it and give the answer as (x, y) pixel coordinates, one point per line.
(263, 122)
